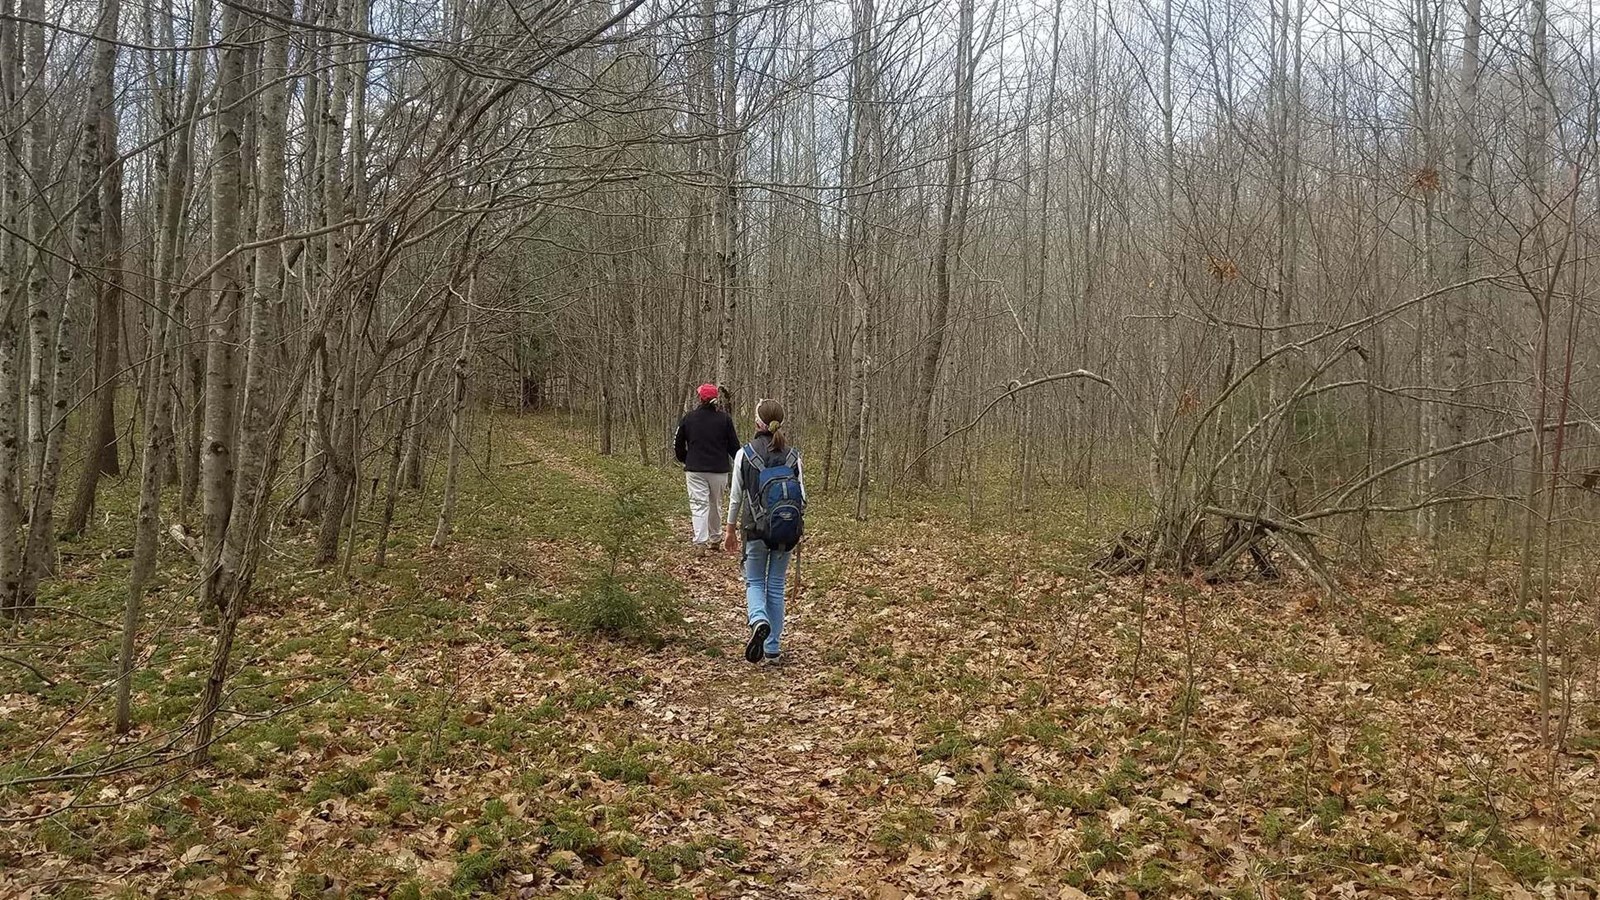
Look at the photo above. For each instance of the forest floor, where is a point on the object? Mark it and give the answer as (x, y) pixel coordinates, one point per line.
(965, 712)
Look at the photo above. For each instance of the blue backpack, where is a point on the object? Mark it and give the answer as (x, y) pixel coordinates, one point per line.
(777, 502)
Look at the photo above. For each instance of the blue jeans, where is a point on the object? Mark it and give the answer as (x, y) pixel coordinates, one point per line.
(764, 574)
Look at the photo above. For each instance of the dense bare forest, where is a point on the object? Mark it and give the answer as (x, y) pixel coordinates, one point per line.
(1264, 298)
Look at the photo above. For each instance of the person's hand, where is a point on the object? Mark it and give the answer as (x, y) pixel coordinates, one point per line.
(730, 539)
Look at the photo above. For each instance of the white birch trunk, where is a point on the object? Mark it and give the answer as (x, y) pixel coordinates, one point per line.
(36, 139)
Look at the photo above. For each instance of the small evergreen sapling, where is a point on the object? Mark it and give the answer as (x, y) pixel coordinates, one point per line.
(620, 598)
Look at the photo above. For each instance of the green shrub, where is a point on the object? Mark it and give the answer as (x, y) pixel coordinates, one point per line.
(638, 610)
(619, 600)
(904, 828)
(1002, 788)
(1102, 849)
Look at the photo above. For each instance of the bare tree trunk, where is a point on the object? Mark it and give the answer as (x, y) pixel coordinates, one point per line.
(267, 285)
(726, 204)
(261, 427)
(346, 199)
(952, 235)
(1538, 140)
(458, 406)
(1537, 146)
(341, 450)
(1550, 525)
(407, 419)
(863, 140)
(189, 415)
(642, 340)
(607, 371)
(13, 299)
(860, 366)
(416, 439)
(1426, 183)
(35, 273)
(100, 456)
(330, 102)
(313, 448)
(1029, 453)
(10, 512)
(260, 457)
(266, 291)
(1287, 257)
(159, 370)
(1163, 489)
(147, 523)
(88, 256)
(1457, 340)
(217, 458)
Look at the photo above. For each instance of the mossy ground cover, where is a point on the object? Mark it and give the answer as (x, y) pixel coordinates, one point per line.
(967, 710)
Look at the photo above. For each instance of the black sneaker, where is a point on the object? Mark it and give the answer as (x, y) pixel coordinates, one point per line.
(758, 637)
(774, 659)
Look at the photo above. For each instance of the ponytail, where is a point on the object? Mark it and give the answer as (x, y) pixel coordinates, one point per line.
(770, 414)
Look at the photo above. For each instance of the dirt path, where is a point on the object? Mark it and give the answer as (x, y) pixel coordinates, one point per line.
(782, 731)
(772, 741)
(801, 764)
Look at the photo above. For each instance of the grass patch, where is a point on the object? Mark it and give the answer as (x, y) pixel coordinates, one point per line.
(904, 828)
(944, 740)
(346, 783)
(628, 766)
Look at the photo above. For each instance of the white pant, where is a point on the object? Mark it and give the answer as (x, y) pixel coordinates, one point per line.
(707, 492)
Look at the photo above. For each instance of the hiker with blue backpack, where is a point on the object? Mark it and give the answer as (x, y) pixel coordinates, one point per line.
(766, 507)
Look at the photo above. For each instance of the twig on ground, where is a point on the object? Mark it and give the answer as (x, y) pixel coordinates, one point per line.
(30, 667)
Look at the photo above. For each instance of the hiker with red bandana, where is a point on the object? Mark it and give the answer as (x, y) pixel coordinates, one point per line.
(705, 445)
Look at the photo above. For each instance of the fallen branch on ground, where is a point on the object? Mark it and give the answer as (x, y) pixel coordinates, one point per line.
(30, 667)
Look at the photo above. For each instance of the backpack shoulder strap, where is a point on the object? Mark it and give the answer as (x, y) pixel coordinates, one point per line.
(753, 464)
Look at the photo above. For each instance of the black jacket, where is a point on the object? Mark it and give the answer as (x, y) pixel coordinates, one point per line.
(706, 441)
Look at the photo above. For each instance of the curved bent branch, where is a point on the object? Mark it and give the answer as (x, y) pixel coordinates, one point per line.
(1350, 491)
(1012, 391)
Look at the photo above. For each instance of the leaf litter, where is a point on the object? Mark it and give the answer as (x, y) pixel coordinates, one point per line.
(955, 719)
